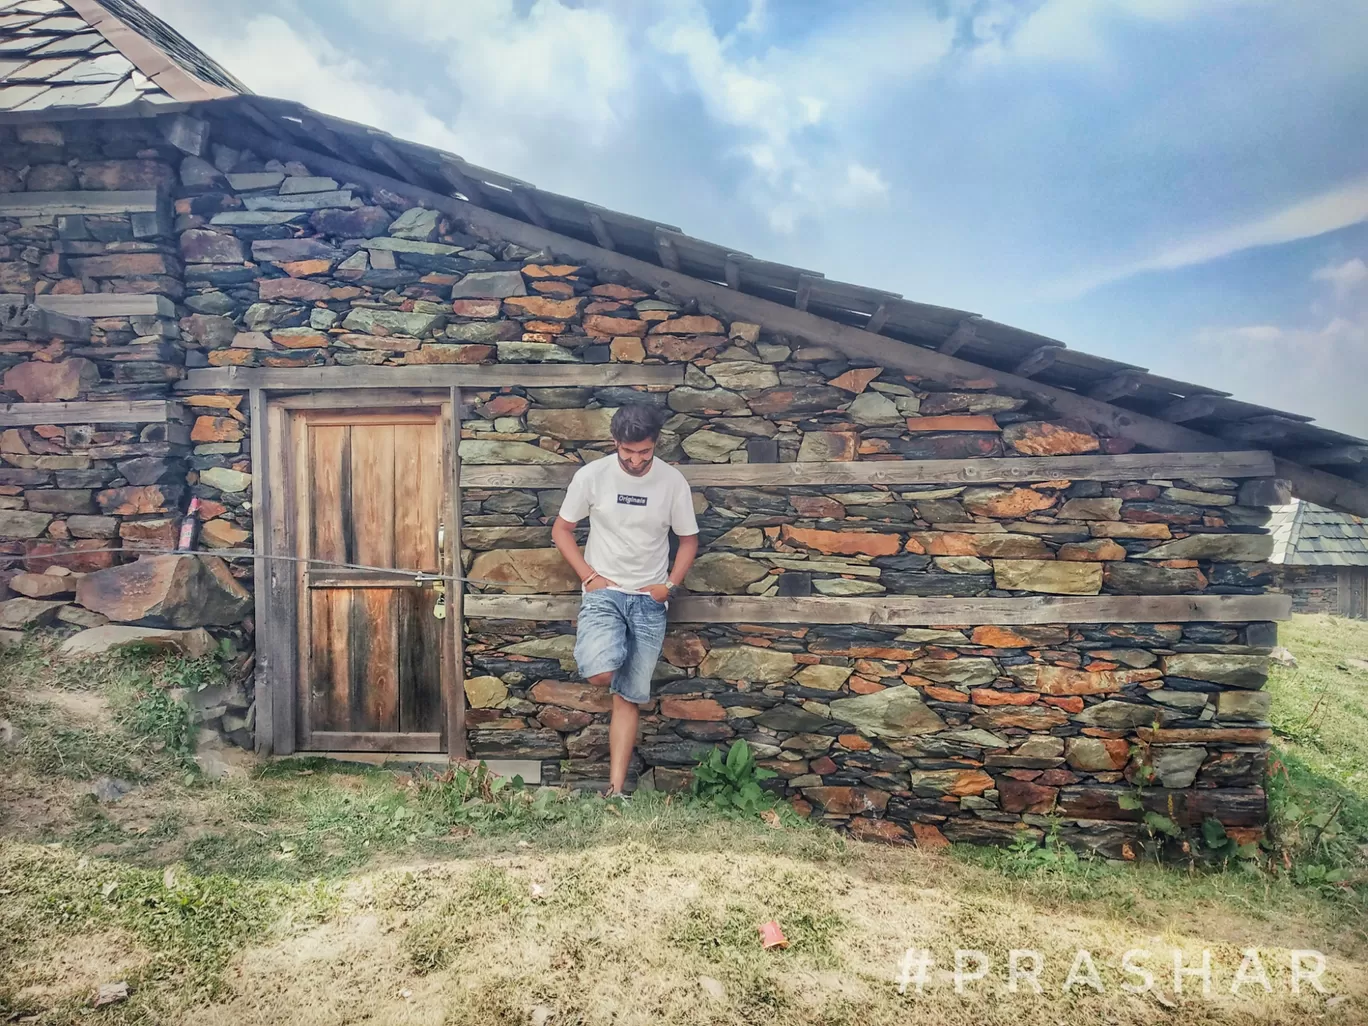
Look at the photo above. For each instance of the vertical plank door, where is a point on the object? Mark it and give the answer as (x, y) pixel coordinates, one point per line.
(371, 490)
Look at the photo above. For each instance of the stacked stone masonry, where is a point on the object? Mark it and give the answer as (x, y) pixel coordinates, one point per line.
(961, 733)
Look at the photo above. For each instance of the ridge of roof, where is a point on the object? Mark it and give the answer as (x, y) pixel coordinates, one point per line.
(101, 56)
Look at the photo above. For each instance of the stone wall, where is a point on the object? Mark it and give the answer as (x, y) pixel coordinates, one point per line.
(1314, 589)
(973, 732)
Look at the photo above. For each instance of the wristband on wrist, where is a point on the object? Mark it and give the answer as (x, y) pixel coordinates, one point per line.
(590, 577)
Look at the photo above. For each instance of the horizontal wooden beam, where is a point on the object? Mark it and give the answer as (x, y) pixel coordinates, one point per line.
(42, 204)
(895, 610)
(1125, 467)
(136, 411)
(1341, 454)
(107, 304)
(1116, 421)
(431, 376)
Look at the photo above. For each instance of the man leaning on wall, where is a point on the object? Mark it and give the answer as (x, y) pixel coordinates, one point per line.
(633, 502)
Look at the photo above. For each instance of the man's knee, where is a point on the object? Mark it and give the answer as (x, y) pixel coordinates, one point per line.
(602, 679)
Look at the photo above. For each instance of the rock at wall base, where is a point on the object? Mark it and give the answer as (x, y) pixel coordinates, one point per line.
(193, 644)
(167, 591)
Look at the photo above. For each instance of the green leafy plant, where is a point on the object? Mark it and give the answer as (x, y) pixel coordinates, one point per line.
(733, 782)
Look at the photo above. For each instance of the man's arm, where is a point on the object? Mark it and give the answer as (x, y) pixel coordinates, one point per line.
(563, 537)
(688, 549)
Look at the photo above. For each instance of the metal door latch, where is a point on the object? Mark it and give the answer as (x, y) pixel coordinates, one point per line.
(440, 609)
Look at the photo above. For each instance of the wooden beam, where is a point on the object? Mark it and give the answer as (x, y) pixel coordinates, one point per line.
(266, 684)
(454, 650)
(433, 376)
(42, 204)
(1036, 361)
(1125, 467)
(1152, 432)
(964, 333)
(1342, 454)
(900, 611)
(669, 254)
(392, 158)
(527, 203)
(113, 411)
(602, 235)
(1194, 407)
(277, 610)
(804, 293)
(878, 318)
(457, 177)
(1114, 387)
(731, 270)
(1258, 429)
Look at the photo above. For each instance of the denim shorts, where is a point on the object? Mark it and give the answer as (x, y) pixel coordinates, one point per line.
(620, 633)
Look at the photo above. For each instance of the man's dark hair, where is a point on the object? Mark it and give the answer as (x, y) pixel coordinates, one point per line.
(637, 422)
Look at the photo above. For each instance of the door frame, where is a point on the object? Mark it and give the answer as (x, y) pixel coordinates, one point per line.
(274, 513)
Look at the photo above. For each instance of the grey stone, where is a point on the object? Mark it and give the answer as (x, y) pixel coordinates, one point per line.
(723, 572)
(287, 250)
(17, 523)
(302, 201)
(711, 446)
(1243, 705)
(391, 322)
(387, 244)
(1237, 671)
(256, 218)
(896, 712)
(477, 451)
(196, 173)
(1229, 548)
(841, 586)
(692, 400)
(489, 285)
(22, 613)
(415, 223)
(965, 670)
(871, 409)
(225, 480)
(534, 352)
(745, 662)
(210, 303)
(255, 180)
(1115, 714)
(195, 643)
(1176, 766)
(296, 184)
(259, 316)
(740, 376)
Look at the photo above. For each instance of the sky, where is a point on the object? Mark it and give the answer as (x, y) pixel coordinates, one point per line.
(1180, 184)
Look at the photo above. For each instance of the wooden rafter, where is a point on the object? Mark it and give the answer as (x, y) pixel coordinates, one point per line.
(964, 333)
(1036, 361)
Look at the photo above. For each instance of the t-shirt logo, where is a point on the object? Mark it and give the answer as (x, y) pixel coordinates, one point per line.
(631, 500)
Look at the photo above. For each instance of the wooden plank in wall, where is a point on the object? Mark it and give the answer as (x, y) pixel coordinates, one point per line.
(43, 204)
(266, 678)
(1127, 467)
(454, 651)
(135, 411)
(430, 376)
(894, 610)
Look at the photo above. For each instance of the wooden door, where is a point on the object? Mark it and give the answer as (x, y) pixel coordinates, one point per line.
(375, 667)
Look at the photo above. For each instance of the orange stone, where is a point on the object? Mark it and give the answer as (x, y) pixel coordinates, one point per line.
(1043, 439)
(817, 506)
(998, 637)
(613, 327)
(585, 697)
(693, 325)
(1071, 703)
(1099, 549)
(541, 306)
(991, 696)
(216, 429)
(1112, 529)
(1178, 564)
(953, 422)
(883, 831)
(943, 694)
(482, 308)
(692, 709)
(846, 543)
(550, 270)
(218, 402)
(915, 546)
(863, 685)
(854, 743)
(230, 357)
(1019, 502)
(929, 837)
(346, 292)
(554, 288)
(684, 648)
(621, 292)
(303, 340)
(545, 327)
(306, 268)
(856, 380)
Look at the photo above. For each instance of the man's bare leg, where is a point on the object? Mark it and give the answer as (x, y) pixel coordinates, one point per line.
(622, 734)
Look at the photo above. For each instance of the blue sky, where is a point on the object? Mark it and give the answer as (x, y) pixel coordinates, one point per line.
(1182, 184)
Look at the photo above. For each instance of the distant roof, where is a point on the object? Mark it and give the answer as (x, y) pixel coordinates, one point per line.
(100, 54)
(1305, 534)
(87, 58)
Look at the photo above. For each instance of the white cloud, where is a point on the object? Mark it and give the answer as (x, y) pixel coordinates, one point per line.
(1328, 211)
(1299, 367)
(1345, 277)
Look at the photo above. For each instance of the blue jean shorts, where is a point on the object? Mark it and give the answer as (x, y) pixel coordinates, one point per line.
(620, 633)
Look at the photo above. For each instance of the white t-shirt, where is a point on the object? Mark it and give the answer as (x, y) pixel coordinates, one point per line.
(630, 519)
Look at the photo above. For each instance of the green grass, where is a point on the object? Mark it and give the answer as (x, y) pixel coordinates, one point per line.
(196, 874)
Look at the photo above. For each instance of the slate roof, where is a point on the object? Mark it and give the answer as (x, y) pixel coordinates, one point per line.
(1305, 534)
(117, 58)
(100, 55)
